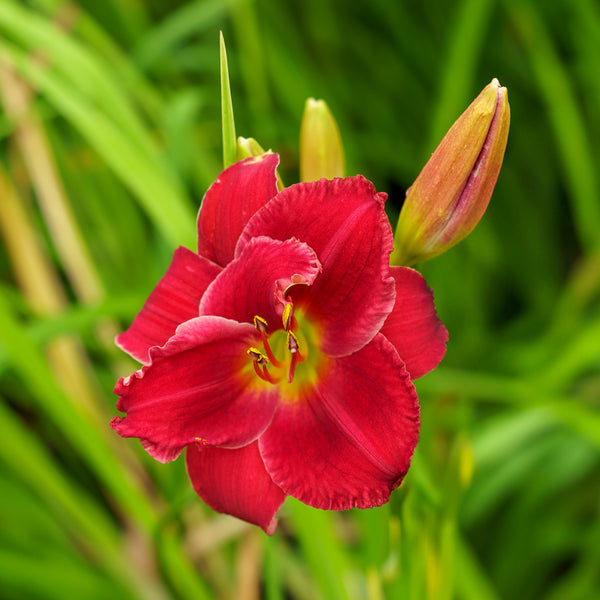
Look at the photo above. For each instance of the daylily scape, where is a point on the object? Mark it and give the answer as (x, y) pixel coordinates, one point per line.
(281, 355)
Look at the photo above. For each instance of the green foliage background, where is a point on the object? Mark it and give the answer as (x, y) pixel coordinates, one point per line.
(109, 137)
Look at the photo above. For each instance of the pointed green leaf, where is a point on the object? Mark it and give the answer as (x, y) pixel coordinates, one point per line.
(228, 124)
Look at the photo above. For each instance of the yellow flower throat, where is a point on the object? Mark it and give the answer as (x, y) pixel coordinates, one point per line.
(297, 345)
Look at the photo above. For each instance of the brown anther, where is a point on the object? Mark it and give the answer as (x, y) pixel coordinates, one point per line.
(257, 356)
(263, 328)
(261, 325)
(260, 363)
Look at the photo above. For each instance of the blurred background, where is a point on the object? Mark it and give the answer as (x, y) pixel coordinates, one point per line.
(109, 137)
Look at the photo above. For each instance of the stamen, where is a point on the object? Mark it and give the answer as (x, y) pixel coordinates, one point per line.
(286, 318)
(260, 360)
(256, 355)
(263, 328)
(294, 346)
(268, 377)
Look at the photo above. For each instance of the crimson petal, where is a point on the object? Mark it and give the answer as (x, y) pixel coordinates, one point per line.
(254, 283)
(413, 326)
(174, 300)
(235, 196)
(196, 389)
(344, 222)
(235, 482)
(348, 440)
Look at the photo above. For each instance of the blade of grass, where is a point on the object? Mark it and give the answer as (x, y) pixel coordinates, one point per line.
(30, 364)
(145, 177)
(570, 410)
(41, 288)
(48, 577)
(83, 518)
(472, 583)
(180, 570)
(580, 354)
(272, 569)
(130, 78)
(572, 142)
(321, 549)
(84, 71)
(66, 235)
(375, 528)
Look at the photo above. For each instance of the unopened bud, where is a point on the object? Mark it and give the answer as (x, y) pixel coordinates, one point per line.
(247, 147)
(453, 190)
(321, 150)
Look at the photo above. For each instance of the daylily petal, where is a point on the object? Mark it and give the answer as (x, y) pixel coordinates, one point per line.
(413, 325)
(253, 282)
(235, 482)
(344, 222)
(235, 196)
(196, 389)
(346, 441)
(174, 300)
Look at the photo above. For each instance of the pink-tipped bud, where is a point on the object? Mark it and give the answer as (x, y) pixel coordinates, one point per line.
(321, 150)
(453, 190)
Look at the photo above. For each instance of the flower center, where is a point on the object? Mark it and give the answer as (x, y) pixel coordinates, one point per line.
(285, 349)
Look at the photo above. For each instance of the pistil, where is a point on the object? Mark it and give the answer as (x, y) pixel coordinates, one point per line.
(296, 356)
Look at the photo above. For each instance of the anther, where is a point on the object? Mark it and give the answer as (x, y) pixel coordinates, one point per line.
(263, 328)
(256, 355)
(286, 318)
(261, 325)
(260, 363)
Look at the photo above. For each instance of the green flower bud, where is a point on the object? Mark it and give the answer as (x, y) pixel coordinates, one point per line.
(321, 150)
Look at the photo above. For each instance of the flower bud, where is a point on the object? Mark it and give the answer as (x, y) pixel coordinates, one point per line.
(247, 147)
(321, 150)
(453, 190)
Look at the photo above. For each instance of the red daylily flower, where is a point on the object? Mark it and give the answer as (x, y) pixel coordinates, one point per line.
(281, 355)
